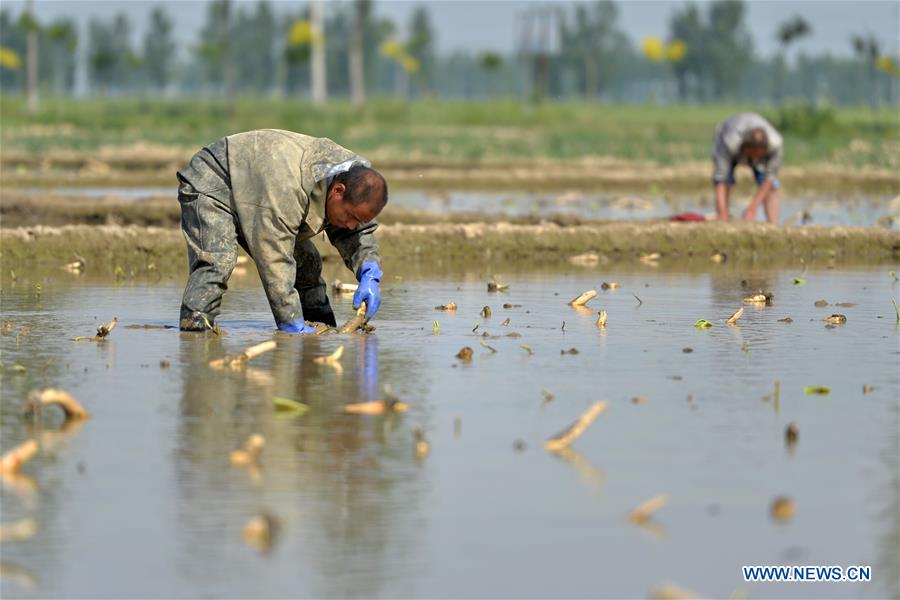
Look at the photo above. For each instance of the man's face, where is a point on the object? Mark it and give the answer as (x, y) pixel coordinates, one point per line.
(754, 153)
(341, 213)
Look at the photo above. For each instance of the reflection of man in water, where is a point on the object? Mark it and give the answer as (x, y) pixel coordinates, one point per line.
(748, 138)
(271, 191)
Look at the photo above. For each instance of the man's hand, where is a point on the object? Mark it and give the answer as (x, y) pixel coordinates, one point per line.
(296, 327)
(368, 291)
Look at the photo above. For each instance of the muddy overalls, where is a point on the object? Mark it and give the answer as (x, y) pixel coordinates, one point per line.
(265, 191)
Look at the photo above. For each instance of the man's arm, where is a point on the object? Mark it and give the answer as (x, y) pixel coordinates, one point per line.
(761, 193)
(355, 246)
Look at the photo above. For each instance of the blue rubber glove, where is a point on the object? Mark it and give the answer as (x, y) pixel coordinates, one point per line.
(368, 292)
(296, 327)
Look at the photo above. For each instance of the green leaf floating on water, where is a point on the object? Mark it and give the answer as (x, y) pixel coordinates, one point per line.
(702, 324)
(286, 405)
(799, 281)
(817, 389)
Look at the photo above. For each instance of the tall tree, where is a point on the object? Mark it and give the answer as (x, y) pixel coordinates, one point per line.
(254, 40)
(214, 52)
(159, 49)
(591, 44)
(730, 46)
(716, 51)
(420, 46)
(788, 32)
(110, 57)
(58, 41)
(687, 24)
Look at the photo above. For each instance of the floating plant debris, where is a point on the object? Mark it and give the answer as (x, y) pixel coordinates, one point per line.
(37, 400)
(820, 303)
(601, 319)
(702, 324)
(782, 509)
(583, 298)
(287, 405)
(836, 319)
(102, 332)
(527, 349)
(249, 451)
(737, 315)
(485, 345)
(505, 322)
(791, 434)
(76, 266)
(12, 461)
(237, 360)
(357, 321)
(18, 531)
(565, 437)
(260, 532)
(465, 354)
(421, 444)
(569, 351)
(798, 281)
(493, 286)
(508, 305)
(339, 287)
(645, 510)
(449, 306)
(486, 312)
(764, 298)
(817, 389)
(612, 285)
(332, 359)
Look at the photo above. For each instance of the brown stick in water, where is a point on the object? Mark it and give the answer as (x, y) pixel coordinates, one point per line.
(356, 321)
(235, 360)
(573, 431)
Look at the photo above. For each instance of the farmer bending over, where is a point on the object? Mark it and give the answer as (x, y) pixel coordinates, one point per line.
(271, 191)
(747, 138)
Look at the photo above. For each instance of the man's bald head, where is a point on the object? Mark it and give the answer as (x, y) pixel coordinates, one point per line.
(363, 186)
(756, 144)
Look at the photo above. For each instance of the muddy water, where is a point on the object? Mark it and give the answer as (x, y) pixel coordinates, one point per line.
(819, 209)
(141, 500)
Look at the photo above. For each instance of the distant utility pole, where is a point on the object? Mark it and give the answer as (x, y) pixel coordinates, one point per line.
(227, 59)
(319, 84)
(355, 55)
(31, 59)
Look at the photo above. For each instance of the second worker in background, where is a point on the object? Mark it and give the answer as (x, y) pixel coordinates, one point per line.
(747, 138)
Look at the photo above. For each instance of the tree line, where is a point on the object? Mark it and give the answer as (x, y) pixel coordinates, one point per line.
(563, 52)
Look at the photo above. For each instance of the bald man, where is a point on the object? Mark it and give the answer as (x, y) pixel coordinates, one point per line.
(270, 191)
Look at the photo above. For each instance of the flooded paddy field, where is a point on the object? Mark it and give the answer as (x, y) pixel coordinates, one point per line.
(141, 499)
(157, 205)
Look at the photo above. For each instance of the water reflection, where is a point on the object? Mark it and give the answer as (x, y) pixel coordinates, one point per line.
(346, 489)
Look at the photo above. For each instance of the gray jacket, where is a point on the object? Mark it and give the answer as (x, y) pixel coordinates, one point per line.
(278, 181)
(730, 136)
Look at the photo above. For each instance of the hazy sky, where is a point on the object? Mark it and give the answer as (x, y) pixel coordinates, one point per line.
(479, 25)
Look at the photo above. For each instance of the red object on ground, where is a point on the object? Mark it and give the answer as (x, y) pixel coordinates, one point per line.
(687, 217)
